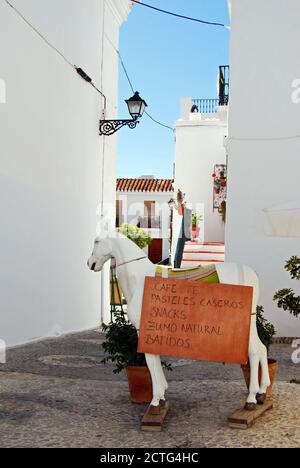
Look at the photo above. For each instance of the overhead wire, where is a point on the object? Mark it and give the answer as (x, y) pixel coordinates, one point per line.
(132, 88)
(78, 70)
(177, 15)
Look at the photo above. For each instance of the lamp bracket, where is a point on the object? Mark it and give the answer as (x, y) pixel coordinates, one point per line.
(109, 127)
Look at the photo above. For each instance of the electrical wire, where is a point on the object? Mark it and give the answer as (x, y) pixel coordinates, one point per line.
(159, 123)
(55, 49)
(79, 70)
(210, 23)
(132, 88)
(126, 73)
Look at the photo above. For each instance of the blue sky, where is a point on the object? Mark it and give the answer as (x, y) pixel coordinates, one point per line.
(167, 58)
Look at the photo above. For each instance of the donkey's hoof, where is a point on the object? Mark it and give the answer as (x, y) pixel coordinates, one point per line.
(261, 398)
(250, 406)
(162, 404)
(154, 410)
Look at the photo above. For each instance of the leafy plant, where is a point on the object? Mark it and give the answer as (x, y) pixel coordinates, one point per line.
(136, 234)
(196, 218)
(293, 267)
(120, 345)
(266, 330)
(286, 298)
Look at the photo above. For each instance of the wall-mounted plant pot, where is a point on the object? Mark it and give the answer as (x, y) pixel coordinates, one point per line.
(195, 232)
(273, 367)
(140, 384)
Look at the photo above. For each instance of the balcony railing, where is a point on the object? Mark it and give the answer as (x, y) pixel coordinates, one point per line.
(149, 222)
(205, 106)
(224, 72)
(210, 106)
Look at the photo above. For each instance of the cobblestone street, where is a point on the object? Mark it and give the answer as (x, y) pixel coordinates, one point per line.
(57, 393)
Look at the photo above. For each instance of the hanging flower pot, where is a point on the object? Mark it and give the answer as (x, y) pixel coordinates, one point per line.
(195, 232)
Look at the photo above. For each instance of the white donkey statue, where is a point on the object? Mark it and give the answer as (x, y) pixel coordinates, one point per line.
(132, 268)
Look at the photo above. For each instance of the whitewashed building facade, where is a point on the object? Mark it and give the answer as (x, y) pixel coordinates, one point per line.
(200, 158)
(199, 149)
(263, 146)
(55, 169)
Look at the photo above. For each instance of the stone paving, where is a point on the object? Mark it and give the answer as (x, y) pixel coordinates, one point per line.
(56, 393)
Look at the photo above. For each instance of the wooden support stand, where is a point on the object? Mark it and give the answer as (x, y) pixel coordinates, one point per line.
(154, 422)
(243, 419)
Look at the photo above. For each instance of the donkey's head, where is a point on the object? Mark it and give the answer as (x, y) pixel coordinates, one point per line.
(102, 252)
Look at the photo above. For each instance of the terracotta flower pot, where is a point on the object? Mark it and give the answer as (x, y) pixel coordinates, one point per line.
(273, 367)
(195, 232)
(140, 384)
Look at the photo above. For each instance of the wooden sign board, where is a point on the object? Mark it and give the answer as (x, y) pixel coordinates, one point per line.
(201, 321)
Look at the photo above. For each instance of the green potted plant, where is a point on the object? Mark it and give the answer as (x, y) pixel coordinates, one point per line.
(266, 333)
(286, 298)
(196, 218)
(136, 234)
(120, 348)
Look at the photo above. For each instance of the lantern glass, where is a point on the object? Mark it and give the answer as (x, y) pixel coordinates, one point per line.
(136, 106)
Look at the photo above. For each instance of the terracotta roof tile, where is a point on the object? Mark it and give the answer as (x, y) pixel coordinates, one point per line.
(145, 185)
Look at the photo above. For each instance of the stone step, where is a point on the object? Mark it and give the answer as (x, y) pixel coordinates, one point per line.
(202, 255)
(195, 263)
(204, 247)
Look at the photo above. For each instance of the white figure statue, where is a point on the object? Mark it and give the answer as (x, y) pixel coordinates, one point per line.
(132, 268)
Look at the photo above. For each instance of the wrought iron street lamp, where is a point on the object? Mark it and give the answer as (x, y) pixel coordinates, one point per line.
(136, 107)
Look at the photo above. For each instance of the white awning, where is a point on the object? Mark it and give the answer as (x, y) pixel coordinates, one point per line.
(283, 220)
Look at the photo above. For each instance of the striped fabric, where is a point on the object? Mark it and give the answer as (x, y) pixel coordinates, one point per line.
(206, 274)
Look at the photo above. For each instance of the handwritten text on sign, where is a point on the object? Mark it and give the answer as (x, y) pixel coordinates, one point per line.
(209, 322)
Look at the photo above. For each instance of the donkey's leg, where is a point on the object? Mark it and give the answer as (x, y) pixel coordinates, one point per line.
(254, 383)
(265, 377)
(158, 380)
(163, 379)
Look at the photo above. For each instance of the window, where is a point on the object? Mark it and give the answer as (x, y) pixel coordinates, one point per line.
(149, 211)
(119, 213)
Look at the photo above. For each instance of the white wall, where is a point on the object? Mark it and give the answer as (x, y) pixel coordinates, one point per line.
(264, 63)
(199, 146)
(133, 207)
(51, 163)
